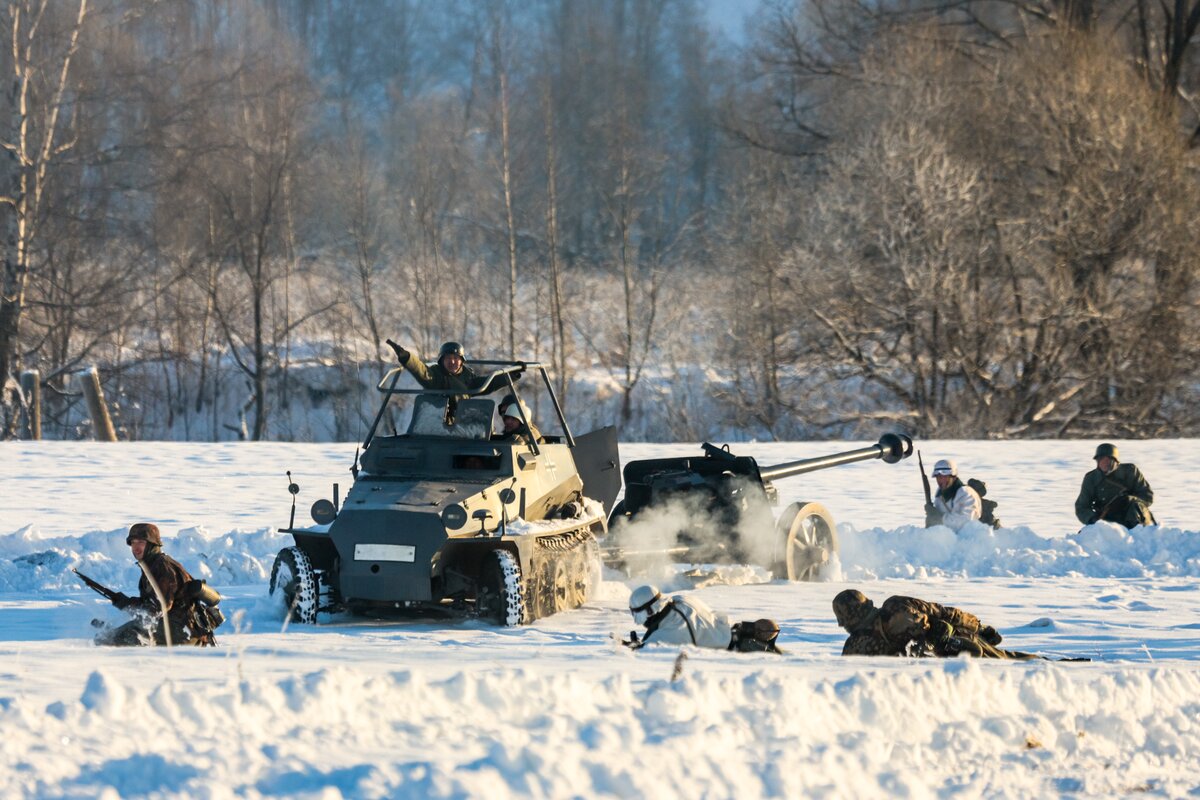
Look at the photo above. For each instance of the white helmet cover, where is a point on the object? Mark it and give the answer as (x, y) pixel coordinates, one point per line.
(645, 602)
(945, 467)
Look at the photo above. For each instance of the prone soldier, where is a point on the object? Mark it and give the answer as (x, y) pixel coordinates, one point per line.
(906, 626)
(689, 620)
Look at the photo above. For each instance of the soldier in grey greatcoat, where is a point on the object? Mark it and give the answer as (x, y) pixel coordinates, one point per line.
(1115, 492)
(906, 626)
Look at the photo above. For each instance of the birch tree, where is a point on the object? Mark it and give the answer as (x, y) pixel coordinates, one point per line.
(38, 47)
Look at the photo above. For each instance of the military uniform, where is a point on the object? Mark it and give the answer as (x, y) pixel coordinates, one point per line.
(688, 620)
(436, 377)
(1123, 496)
(148, 621)
(527, 433)
(958, 504)
(908, 626)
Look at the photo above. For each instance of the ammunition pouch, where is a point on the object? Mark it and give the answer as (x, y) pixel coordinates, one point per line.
(205, 615)
(206, 618)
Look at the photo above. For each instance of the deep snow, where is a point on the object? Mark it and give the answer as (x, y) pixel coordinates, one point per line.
(363, 708)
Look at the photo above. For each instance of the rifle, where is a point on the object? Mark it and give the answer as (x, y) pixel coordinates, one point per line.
(1124, 493)
(932, 516)
(116, 598)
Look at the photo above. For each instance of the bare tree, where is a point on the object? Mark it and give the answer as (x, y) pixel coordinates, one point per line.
(39, 48)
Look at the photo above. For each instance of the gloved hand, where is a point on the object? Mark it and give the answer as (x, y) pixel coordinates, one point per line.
(401, 353)
(990, 635)
(932, 516)
(122, 601)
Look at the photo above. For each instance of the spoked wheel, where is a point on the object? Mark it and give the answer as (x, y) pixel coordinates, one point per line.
(809, 540)
(292, 576)
(501, 594)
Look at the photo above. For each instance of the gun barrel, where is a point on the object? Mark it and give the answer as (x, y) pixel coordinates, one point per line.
(891, 448)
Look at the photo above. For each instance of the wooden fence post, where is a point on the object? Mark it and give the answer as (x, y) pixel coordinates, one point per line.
(31, 387)
(102, 426)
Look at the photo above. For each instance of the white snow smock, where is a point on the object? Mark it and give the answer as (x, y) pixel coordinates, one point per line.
(965, 507)
(689, 620)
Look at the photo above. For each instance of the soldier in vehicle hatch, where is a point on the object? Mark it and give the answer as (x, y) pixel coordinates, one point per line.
(1115, 492)
(681, 619)
(165, 602)
(906, 626)
(510, 409)
(450, 371)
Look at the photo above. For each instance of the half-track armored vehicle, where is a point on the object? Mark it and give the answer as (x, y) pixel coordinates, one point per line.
(451, 517)
(724, 515)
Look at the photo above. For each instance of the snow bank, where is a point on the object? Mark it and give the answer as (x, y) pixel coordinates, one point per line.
(950, 727)
(1102, 550)
(30, 563)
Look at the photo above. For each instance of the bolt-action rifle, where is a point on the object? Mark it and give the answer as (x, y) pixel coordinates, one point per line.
(932, 515)
(118, 599)
(97, 587)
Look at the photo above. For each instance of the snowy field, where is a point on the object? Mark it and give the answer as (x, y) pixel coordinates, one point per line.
(361, 708)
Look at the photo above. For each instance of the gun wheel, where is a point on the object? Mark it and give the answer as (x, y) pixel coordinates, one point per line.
(809, 541)
(293, 578)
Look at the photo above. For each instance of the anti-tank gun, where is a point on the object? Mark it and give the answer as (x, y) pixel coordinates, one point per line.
(720, 505)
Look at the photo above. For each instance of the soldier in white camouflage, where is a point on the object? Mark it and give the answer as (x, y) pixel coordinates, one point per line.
(906, 626)
(683, 619)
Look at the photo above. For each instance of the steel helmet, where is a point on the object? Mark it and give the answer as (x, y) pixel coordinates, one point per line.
(946, 466)
(1106, 449)
(850, 607)
(451, 349)
(645, 602)
(146, 531)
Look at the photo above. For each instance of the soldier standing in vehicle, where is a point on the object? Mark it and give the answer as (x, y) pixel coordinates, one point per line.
(955, 503)
(681, 619)
(450, 371)
(1115, 492)
(906, 626)
(511, 408)
(162, 605)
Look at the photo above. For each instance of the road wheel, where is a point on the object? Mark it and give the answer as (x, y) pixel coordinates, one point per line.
(809, 540)
(294, 581)
(501, 594)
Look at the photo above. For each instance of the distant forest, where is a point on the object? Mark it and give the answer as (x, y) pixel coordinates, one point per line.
(959, 218)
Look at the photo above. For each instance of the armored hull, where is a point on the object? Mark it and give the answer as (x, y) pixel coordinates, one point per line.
(450, 517)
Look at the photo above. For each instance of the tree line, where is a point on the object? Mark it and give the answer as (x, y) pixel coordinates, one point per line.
(959, 219)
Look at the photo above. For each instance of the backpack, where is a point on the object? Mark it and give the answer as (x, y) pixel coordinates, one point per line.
(988, 515)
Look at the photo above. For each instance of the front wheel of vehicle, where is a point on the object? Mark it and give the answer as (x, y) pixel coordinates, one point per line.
(294, 581)
(501, 594)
